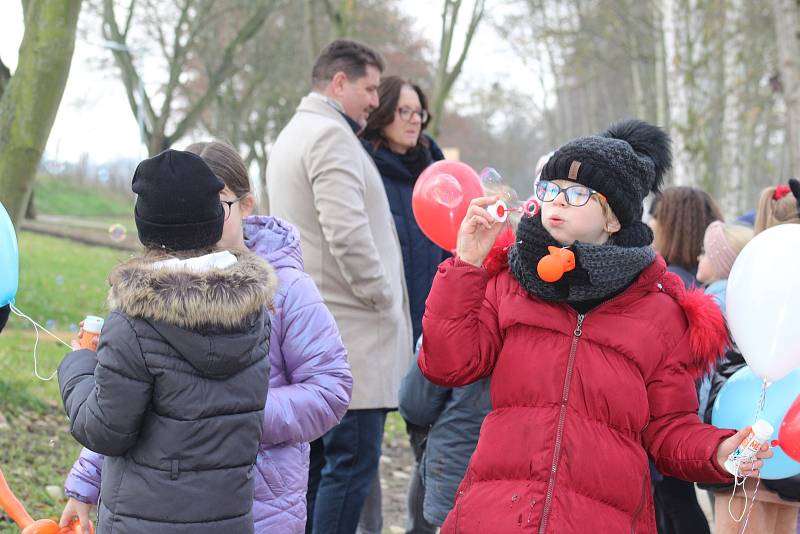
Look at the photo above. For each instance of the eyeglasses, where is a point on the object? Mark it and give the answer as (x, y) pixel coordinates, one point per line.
(407, 114)
(227, 205)
(576, 195)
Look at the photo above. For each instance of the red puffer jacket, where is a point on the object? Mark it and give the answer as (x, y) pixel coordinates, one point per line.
(578, 401)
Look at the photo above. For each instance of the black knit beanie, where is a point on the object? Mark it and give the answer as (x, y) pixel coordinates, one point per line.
(178, 206)
(624, 163)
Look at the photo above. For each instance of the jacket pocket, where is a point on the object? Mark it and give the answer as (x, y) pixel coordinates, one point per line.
(270, 473)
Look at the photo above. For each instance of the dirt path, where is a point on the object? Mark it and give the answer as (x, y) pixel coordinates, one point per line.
(397, 463)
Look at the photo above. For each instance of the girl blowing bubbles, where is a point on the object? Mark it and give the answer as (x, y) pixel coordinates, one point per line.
(591, 374)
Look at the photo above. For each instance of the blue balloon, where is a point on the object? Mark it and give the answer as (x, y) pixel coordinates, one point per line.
(9, 259)
(736, 405)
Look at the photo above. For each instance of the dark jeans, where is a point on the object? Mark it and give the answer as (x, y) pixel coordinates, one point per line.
(677, 509)
(343, 465)
(371, 520)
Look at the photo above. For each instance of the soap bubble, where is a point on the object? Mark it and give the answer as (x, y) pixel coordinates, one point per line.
(446, 190)
(117, 232)
(74, 328)
(493, 184)
(490, 178)
(59, 280)
(50, 324)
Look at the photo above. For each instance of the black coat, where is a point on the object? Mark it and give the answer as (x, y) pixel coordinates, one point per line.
(421, 256)
(175, 397)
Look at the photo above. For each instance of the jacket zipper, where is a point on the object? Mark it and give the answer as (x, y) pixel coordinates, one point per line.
(561, 420)
(459, 498)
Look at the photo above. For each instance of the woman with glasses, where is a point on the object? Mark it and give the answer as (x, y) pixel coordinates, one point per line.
(592, 369)
(394, 138)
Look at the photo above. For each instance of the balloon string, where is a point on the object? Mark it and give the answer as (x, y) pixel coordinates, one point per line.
(762, 399)
(747, 510)
(752, 503)
(37, 327)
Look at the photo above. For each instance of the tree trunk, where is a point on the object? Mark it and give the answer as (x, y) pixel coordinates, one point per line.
(5, 75)
(734, 145)
(787, 31)
(677, 90)
(446, 77)
(29, 104)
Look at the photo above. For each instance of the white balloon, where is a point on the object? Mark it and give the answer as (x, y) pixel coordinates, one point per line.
(763, 302)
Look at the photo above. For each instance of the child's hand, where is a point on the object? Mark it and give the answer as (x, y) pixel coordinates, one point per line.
(729, 445)
(478, 231)
(76, 344)
(76, 508)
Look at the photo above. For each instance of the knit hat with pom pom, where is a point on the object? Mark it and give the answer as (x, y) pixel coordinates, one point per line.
(625, 163)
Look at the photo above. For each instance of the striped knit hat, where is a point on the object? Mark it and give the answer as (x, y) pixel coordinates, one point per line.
(718, 250)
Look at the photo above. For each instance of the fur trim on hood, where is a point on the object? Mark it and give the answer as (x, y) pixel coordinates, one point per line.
(708, 333)
(224, 299)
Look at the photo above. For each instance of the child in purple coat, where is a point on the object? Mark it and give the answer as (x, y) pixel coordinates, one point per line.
(310, 379)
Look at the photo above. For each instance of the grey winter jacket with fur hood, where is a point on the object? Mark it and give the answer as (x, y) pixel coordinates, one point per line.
(175, 397)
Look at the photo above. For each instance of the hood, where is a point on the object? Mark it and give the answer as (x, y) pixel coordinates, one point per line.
(275, 240)
(214, 319)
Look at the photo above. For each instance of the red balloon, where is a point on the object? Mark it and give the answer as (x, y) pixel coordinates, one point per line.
(789, 434)
(441, 197)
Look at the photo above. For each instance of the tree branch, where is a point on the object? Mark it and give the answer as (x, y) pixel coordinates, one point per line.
(220, 74)
(124, 60)
(477, 14)
(175, 67)
(129, 18)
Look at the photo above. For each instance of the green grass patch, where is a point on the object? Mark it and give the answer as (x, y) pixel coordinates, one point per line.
(36, 451)
(61, 280)
(60, 196)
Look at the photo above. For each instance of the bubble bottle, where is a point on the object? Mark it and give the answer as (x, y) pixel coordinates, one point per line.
(747, 450)
(91, 328)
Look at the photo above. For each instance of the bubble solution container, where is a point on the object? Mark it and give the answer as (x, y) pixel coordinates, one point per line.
(91, 328)
(747, 450)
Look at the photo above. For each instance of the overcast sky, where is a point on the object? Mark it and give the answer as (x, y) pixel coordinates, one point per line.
(94, 116)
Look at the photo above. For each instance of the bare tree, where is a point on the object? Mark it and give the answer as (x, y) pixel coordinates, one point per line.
(30, 98)
(260, 96)
(787, 31)
(446, 75)
(187, 20)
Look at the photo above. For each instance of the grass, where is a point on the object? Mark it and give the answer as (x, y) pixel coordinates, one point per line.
(60, 281)
(60, 196)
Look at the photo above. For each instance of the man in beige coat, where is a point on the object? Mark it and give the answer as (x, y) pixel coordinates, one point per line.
(321, 180)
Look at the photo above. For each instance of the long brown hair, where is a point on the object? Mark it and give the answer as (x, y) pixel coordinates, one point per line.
(385, 114)
(772, 212)
(683, 214)
(226, 163)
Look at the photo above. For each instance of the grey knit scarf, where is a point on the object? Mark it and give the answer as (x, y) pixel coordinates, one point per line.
(601, 271)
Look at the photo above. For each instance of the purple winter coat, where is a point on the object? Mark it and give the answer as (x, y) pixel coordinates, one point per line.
(309, 387)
